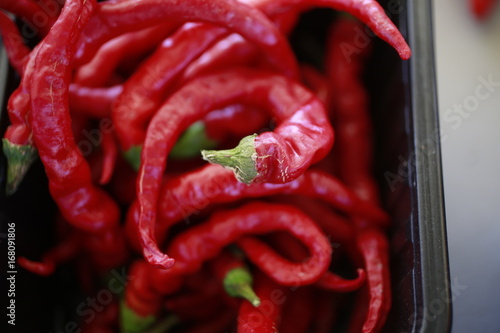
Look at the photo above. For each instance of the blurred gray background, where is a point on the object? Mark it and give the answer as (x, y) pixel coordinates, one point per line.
(468, 77)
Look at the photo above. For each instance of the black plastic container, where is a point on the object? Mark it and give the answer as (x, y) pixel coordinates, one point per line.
(408, 167)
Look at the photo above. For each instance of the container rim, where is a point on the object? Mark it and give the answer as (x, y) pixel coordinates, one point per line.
(435, 301)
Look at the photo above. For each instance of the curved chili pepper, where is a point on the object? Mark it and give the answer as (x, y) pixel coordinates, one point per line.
(289, 102)
(203, 242)
(370, 12)
(114, 18)
(93, 102)
(352, 110)
(68, 172)
(374, 248)
(294, 250)
(30, 12)
(16, 50)
(350, 101)
(267, 316)
(98, 71)
(187, 194)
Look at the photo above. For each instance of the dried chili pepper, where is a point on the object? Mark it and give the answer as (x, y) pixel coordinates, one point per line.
(292, 144)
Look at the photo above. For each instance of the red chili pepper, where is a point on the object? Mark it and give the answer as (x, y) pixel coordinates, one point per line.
(187, 194)
(30, 12)
(114, 18)
(351, 103)
(481, 8)
(267, 316)
(292, 144)
(68, 173)
(13, 43)
(205, 241)
(368, 11)
(99, 70)
(93, 102)
(295, 251)
(372, 313)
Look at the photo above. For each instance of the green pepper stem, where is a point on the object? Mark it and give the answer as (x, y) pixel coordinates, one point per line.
(19, 160)
(131, 322)
(133, 156)
(240, 159)
(238, 283)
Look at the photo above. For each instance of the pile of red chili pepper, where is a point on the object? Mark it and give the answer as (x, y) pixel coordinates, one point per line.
(273, 227)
